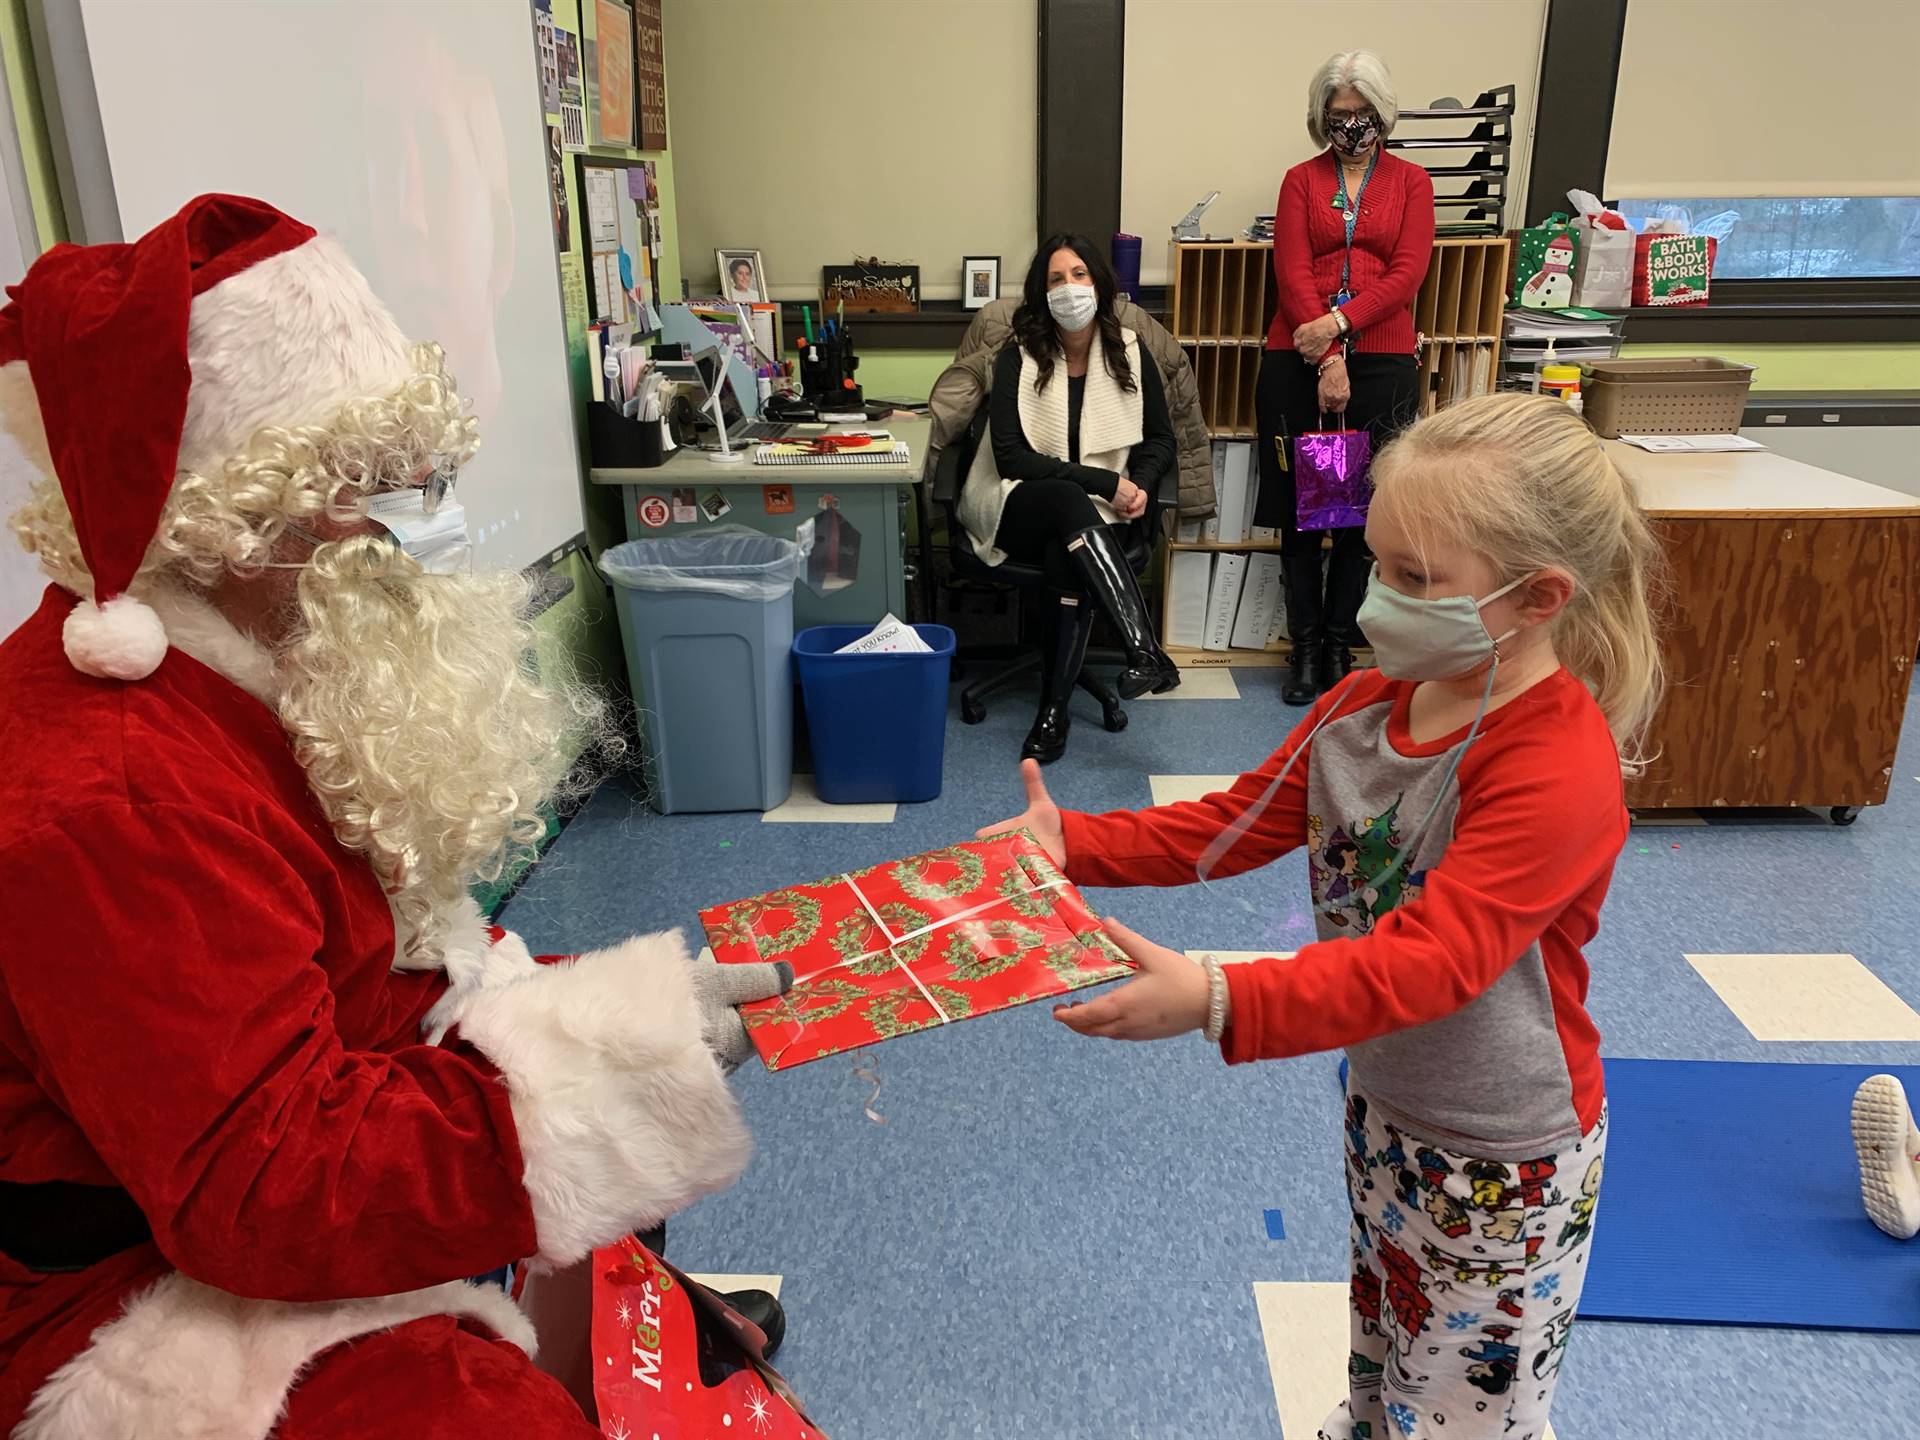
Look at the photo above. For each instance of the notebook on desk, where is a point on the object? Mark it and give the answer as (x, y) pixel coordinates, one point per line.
(875, 448)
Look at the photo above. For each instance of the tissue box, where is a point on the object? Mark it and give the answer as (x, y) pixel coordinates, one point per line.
(912, 944)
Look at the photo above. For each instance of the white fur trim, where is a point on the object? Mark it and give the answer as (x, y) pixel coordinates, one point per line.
(623, 1114)
(195, 628)
(120, 640)
(285, 342)
(473, 961)
(188, 1362)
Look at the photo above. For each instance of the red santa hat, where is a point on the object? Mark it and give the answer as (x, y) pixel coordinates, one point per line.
(167, 354)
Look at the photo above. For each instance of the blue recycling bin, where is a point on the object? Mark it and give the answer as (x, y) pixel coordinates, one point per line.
(877, 723)
(707, 620)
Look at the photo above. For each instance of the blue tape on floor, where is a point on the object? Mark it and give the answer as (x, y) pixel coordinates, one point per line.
(1275, 1230)
(1732, 1197)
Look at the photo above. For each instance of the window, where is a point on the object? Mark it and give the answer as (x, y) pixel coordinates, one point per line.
(1781, 238)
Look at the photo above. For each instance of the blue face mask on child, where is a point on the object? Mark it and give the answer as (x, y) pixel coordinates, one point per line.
(1412, 639)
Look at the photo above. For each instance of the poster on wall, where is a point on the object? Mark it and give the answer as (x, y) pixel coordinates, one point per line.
(549, 58)
(572, 111)
(613, 73)
(619, 226)
(651, 72)
(557, 189)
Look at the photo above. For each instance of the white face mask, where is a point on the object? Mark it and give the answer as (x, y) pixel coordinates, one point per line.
(438, 541)
(1073, 306)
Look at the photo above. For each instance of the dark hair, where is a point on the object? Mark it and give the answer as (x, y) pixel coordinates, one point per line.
(734, 265)
(1338, 850)
(1033, 323)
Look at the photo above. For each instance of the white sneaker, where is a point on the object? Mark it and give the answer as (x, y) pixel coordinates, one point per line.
(1888, 1144)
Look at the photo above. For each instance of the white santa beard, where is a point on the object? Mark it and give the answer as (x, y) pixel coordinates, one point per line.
(411, 702)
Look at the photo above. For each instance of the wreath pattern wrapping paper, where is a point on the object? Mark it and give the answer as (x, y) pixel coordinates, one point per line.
(911, 944)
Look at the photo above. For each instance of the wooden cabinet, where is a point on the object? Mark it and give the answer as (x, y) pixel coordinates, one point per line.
(1790, 632)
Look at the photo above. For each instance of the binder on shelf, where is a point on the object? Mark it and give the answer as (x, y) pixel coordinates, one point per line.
(1259, 597)
(1263, 534)
(1187, 532)
(1189, 586)
(1233, 497)
(1210, 527)
(1229, 576)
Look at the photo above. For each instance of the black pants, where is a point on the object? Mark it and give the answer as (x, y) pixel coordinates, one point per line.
(1039, 518)
(1385, 400)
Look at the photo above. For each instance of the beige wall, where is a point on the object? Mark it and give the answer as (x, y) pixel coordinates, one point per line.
(1216, 92)
(813, 130)
(1767, 97)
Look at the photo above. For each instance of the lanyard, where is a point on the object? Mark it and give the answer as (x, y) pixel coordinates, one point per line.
(1350, 211)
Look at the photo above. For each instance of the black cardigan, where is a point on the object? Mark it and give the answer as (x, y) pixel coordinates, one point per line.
(1147, 463)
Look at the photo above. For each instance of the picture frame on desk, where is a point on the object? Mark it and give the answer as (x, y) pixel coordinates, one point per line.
(979, 281)
(743, 277)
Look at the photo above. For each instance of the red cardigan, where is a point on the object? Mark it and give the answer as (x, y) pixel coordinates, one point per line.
(1392, 244)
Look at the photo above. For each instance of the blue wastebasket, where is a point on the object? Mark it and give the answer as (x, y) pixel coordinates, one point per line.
(707, 619)
(878, 723)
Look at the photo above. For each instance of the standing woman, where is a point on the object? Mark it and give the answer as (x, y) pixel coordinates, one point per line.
(1352, 236)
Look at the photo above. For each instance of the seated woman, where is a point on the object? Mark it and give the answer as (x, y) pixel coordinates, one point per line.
(1067, 464)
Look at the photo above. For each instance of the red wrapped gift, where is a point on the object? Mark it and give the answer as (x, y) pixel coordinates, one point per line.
(911, 944)
(672, 1362)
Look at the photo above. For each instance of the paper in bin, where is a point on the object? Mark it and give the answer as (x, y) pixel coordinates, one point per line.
(912, 944)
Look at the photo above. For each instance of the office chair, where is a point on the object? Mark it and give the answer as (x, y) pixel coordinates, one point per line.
(1018, 664)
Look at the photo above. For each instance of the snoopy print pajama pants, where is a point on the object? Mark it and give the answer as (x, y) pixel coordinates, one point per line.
(1466, 1275)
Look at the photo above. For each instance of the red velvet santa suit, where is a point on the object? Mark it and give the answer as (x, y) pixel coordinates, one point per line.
(199, 1004)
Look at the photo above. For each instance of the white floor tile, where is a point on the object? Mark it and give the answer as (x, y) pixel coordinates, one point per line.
(805, 807)
(728, 1283)
(1209, 682)
(1305, 1327)
(1807, 997)
(1240, 957)
(1170, 788)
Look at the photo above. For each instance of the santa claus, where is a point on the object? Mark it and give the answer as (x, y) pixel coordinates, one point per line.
(268, 1081)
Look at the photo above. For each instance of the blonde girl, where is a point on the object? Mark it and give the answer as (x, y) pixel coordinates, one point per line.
(1462, 810)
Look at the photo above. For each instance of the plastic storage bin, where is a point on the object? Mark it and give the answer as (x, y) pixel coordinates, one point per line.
(877, 723)
(1665, 395)
(707, 620)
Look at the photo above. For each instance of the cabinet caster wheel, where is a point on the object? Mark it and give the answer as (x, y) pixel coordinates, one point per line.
(1115, 720)
(1844, 814)
(972, 712)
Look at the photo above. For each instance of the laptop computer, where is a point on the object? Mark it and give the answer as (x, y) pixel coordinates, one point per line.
(704, 373)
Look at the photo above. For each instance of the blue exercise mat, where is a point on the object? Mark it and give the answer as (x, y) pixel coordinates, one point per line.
(1732, 1198)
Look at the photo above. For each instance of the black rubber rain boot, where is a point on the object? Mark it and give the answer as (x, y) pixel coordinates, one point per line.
(1066, 652)
(1306, 628)
(1111, 583)
(1346, 588)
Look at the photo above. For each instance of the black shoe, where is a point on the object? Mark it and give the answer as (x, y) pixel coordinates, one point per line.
(1307, 677)
(1338, 664)
(1110, 581)
(1065, 653)
(1347, 574)
(1306, 627)
(760, 1308)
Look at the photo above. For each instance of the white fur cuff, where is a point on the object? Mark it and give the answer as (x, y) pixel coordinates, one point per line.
(623, 1114)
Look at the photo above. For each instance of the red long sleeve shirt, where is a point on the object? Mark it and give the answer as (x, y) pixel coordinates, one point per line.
(1459, 989)
(1392, 245)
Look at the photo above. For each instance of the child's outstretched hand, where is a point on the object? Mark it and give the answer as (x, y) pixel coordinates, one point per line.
(1041, 816)
(1167, 997)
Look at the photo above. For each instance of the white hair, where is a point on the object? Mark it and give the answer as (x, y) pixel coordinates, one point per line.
(1365, 72)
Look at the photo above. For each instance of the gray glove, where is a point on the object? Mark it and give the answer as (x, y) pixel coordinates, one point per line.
(719, 988)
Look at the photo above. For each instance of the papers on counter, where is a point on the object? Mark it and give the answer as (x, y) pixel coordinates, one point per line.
(1691, 444)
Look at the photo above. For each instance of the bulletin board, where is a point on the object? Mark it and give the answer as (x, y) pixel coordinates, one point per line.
(621, 237)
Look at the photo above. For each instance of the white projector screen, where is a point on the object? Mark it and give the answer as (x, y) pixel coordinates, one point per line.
(413, 133)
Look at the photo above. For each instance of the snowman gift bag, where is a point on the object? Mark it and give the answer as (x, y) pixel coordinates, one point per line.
(1543, 278)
